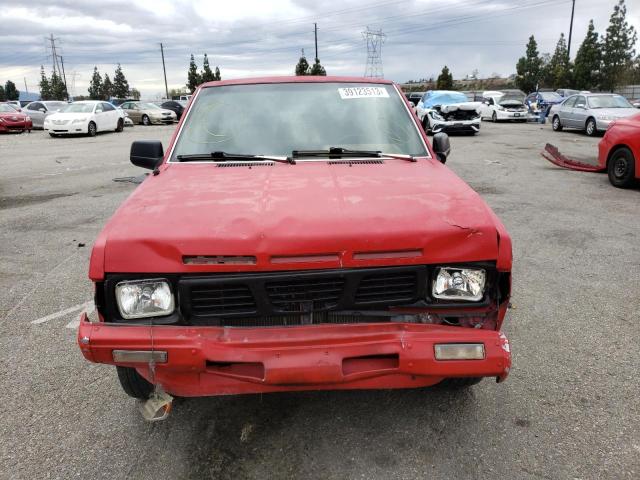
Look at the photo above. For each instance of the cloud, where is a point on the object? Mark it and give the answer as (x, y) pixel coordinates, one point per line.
(254, 37)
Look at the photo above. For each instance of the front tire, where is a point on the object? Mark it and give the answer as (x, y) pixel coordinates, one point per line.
(556, 125)
(590, 128)
(621, 168)
(494, 118)
(92, 130)
(134, 384)
(120, 125)
(145, 120)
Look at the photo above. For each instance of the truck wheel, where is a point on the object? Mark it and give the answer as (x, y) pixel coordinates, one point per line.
(460, 383)
(590, 127)
(145, 120)
(621, 168)
(133, 383)
(556, 125)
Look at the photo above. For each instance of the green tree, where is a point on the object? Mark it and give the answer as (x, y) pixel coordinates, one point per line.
(317, 69)
(557, 71)
(120, 87)
(58, 88)
(445, 79)
(617, 48)
(193, 78)
(45, 85)
(207, 75)
(529, 67)
(302, 67)
(95, 85)
(135, 94)
(2, 96)
(10, 91)
(107, 88)
(218, 77)
(587, 65)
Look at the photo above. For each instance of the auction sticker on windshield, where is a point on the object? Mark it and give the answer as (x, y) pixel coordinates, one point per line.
(363, 92)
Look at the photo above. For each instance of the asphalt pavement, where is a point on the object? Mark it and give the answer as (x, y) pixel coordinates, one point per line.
(569, 410)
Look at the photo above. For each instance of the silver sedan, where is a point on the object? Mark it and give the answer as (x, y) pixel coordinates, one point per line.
(38, 111)
(591, 112)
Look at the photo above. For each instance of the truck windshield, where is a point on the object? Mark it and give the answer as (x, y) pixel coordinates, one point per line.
(275, 119)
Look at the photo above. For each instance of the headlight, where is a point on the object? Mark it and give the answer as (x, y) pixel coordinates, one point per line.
(436, 115)
(499, 107)
(79, 120)
(144, 298)
(465, 284)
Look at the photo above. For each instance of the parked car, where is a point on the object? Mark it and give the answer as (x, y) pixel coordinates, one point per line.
(213, 280)
(38, 111)
(504, 105)
(541, 102)
(15, 104)
(148, 113)
(446, 111)
(414, 97)
(12, 120)
(176, 106)
(86, 117)
(591, 112)
(635, 102)
(619, 151)
(618, 154)
(567, 92)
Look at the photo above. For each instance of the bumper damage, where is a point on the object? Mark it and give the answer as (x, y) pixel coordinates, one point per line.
(203, 361)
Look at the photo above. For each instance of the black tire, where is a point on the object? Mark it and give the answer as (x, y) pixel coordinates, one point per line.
(621, 168)
(92, 129)
(555, 124)
(133, 383)
(52, 135)
(590, 128)
(145, 120)
(460, 383)
(120, 125)
(425, 124)
(494, 117)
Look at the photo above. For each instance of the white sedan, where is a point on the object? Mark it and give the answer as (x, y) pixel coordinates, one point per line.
(86, 117)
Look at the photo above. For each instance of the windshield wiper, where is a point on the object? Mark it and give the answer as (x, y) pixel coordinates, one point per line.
(339, 152)
(231, 157)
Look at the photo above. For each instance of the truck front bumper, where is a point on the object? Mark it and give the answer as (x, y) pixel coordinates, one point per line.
(203, 361)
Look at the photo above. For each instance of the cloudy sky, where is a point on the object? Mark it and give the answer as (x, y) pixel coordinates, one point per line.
(264, 37)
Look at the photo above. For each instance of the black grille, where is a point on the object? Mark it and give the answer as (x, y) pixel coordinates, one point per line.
(305, 294)
(295, 297)
(387, 288)
(221, 300)
(306, 319)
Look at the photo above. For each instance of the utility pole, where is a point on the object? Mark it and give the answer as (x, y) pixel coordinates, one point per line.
(573, 7)
(315, 32)
(26, 89)
(165, 71)
(64, 77)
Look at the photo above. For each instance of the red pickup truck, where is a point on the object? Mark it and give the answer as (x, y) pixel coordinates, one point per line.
(299, 234)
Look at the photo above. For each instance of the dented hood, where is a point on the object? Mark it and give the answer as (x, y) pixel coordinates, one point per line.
(308, 215)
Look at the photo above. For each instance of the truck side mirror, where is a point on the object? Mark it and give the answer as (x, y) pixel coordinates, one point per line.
(147, 153)
(441, 146)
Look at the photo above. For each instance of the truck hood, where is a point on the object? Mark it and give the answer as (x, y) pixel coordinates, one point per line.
(288, 217)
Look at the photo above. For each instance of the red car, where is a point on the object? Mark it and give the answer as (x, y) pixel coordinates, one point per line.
(13, 121)
(318, 242)
(619, 152)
